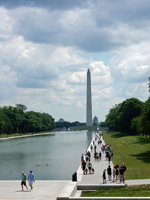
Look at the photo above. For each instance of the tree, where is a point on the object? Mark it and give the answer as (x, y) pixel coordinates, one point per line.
(5, 123)
(111, 118)
(135, 125)
(145, 118)
(149, 85)
(21, 107)
(120, 116)
(129, 109)
(14, 120)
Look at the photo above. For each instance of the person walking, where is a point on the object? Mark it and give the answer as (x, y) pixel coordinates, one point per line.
(31, 179)
(91, 147)
(95, 148)
(83, 166)
(100, 155)
(23, 182)
(89, 166)
(109, 172)
(82, 158)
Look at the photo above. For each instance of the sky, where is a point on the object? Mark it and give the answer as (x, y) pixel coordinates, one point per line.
(46, 48)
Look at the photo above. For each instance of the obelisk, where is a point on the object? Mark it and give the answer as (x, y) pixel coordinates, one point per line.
(88, 101)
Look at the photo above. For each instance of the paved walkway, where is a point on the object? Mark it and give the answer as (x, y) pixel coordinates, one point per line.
(96, 178)
(42, 190)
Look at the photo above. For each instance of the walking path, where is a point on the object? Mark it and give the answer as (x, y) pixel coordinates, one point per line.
(96, 178)
(42, 190)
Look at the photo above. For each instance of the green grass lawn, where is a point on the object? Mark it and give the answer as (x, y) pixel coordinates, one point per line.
(134, 151)
(128, 191)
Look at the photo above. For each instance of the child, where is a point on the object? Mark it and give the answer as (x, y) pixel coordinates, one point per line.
(104, 176)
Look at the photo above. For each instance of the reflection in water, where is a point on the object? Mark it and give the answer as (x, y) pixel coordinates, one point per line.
(51, 157)
(89, 135)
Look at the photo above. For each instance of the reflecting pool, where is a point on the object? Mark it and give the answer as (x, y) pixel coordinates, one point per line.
(50, 157)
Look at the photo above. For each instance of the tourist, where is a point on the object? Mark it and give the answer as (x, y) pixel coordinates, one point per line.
(109, 173)
(31, 179)
(109, 157)
(107, 153)
(89, 166)
(95, 155)
(110, 147)
(95, 147)
(23, 182)
(124, 168)
(112, 154)
(83, 166)
(82, 158)
(91, 147)
(89, 154)
(100, 155)
(117, 171)
(121, 171)
(114, 173)
(104, 176)
(103, 149)
(87, 158)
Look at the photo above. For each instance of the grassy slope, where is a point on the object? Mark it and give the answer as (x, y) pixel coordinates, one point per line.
(134, 151)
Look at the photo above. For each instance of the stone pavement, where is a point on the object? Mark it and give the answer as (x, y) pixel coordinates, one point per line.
(42, 190)
(96, 178)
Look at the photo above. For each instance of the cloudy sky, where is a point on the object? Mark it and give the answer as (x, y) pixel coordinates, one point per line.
(47, 46)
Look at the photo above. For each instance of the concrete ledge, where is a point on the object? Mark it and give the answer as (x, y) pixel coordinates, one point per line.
(97, 186)
(107, 198)
(69, 190)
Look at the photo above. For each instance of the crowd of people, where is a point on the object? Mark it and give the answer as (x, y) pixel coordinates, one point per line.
(114, 174)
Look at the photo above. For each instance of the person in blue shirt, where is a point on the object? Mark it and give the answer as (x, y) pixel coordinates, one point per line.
(31, 179)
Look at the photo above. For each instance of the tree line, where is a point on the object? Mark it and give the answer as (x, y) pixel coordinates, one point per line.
(18, 120)
(69, 124)
(131, 116)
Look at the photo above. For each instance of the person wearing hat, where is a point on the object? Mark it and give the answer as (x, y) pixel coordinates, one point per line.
(23, 182)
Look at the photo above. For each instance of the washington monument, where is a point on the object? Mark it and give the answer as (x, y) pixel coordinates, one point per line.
(89, 101)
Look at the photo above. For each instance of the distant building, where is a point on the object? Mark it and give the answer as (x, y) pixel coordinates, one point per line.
(61, 120)
(95, 120)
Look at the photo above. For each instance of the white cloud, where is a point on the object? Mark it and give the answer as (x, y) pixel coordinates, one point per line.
(46, 51)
